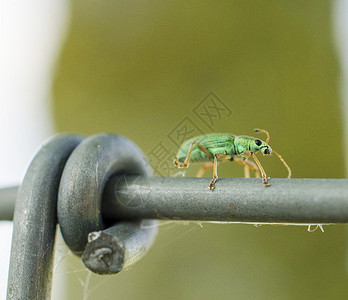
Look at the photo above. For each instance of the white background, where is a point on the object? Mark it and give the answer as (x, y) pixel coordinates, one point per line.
(31, 34)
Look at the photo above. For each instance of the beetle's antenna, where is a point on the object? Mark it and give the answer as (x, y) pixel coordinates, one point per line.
(263, 131)
(285, 164)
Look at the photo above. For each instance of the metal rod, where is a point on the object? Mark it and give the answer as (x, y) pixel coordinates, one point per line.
(306, 201)
(34, 228)
(302, 201)
(7, 202)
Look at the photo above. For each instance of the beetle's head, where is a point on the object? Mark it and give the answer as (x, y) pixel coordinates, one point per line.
(258, 145)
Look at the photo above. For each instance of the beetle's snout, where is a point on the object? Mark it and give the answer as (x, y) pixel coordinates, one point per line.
(267, 151)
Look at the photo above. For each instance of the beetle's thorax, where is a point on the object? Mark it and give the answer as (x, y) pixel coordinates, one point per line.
(243, 144)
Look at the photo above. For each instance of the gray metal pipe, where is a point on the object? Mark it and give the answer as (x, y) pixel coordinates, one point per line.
(35, 220)
(302, 201)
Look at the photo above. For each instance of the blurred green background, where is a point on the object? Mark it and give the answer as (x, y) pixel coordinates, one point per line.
(138, 68)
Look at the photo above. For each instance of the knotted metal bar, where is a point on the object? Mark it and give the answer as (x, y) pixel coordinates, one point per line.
(78, 168)
(126, 199)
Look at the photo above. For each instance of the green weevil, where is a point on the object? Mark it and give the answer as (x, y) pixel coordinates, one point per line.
(226, 146)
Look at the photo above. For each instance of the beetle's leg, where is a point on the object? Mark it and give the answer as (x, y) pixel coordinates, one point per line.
(185, 164)
(248, 165)
(215, 175)
(203, 149)
(210, 165)
(264, 178)
(246, 171)
(247, 154)
(200, 147)
(206, 166)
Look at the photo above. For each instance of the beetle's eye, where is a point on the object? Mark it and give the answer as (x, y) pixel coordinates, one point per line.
(258, 142)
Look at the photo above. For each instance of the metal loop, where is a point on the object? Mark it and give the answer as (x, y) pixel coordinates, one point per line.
(83, 180)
